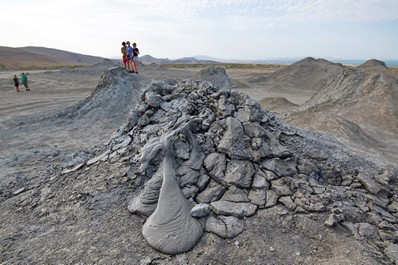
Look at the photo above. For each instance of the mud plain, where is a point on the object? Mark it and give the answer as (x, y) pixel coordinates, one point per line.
(29, 147)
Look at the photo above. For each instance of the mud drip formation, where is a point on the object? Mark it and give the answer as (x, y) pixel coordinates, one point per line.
(171, 228)
(211, 158)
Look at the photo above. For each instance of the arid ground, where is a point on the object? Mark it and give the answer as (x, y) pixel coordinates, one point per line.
(45, 130)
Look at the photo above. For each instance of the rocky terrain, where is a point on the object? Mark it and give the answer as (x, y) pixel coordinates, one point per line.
(84, 182)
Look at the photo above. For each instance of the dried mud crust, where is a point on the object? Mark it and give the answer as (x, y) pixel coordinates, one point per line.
(70, 205)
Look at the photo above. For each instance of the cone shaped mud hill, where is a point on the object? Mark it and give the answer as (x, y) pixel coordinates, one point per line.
(117, 91)
(373, 64)
(216, 75)
(308, 74)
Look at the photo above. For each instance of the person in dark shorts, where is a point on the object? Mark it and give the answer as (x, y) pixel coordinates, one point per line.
(24, 81)
(16, 83)
(130, 64)
(135, 57)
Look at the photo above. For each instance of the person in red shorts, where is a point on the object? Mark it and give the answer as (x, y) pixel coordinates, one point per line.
(124, 55)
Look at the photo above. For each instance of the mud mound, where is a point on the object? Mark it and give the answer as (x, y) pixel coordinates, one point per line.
(116, 92)
(363, 98)
(221, 153)
(216, 75)
(308, 74)
(366, 98)
(373, 64)
(277, 104)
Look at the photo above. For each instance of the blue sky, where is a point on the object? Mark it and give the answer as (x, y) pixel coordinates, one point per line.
(227, 29)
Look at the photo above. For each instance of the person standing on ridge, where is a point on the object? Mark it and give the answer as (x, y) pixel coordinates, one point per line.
(135, 57)
(16, 83)
(129, 50)
(124, 55)
(24, 81)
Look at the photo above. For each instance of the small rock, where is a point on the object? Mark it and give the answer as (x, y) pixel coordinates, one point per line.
(239, 173)
(213, 192)
(225, 226)
(260, 181)
(272, 198)
(288, 202)
(280, 187)
(237, 209)
(201, 210)
(258, 197)
(367, 231)
(236, 243)
(386, 226)
(333, 219)
(102, 157)
(271, 249)
(392, 252)
(234, 194)
(19, 191)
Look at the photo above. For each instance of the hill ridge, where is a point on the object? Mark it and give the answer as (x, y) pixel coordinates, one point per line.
(42, 58)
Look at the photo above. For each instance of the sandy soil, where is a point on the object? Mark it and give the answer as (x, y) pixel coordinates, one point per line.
(33, 144)
(50, 91)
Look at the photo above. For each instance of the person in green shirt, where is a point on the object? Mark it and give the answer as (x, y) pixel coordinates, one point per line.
(24, 81)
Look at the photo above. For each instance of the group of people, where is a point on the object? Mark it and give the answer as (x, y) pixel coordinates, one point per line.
(130, 56)
(130, 61)
(24, 81)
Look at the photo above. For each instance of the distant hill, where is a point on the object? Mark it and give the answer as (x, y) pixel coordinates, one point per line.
(192, 60)
(64, 55)
(150, 59)
(185, 60)
(42, 58)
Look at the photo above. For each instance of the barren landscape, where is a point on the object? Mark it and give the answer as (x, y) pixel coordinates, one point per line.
(322, 150)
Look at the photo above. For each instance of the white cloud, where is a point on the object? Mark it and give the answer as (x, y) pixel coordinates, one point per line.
(339, 10)
(287, 10)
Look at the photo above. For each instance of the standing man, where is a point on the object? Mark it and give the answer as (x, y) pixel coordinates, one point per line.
(24, 81)
(129, 50)
(16, 83)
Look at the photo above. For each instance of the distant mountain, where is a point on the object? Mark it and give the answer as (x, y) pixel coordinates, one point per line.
(259, 61)
(64, 55)
(283, 60)
(149, 59)
(185, 60)
(42, 58)
(192, 60)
